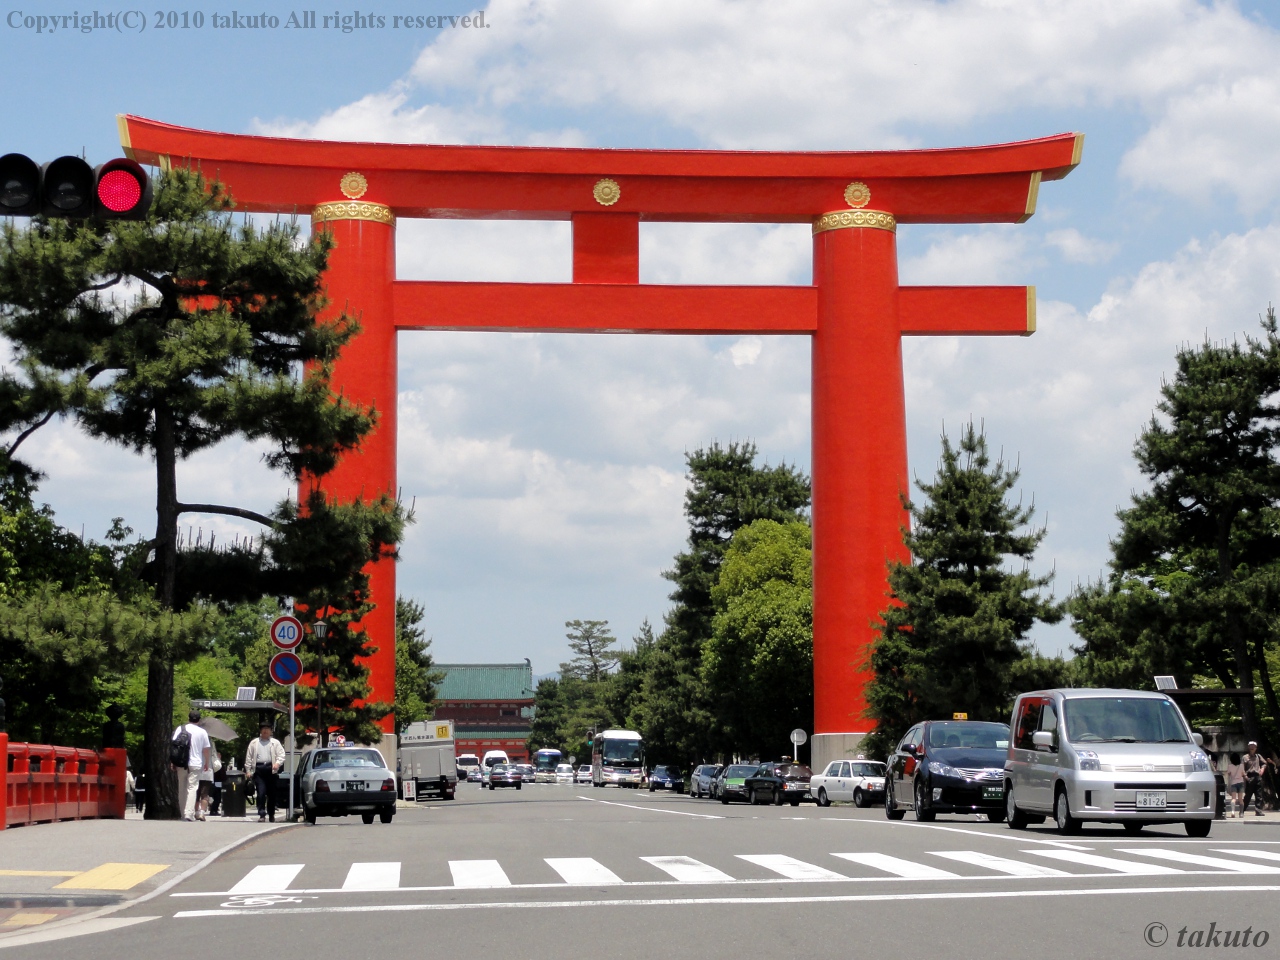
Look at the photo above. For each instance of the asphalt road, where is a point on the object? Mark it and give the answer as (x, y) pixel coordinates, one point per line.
(555, 871)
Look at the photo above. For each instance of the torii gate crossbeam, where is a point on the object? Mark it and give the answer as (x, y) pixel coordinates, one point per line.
(855, 312)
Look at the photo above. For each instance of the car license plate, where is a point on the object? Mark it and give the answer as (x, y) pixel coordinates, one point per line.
(1150, 800)
(993, 793)
(355, 784)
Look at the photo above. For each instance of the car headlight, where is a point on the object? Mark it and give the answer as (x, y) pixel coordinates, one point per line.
(940, 769)
(1088, 760)
(1199, 762)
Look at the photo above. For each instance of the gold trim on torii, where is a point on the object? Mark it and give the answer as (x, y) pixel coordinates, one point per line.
(847, 219)
(353, 210)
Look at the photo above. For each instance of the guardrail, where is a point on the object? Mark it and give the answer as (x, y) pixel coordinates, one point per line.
(40, 783)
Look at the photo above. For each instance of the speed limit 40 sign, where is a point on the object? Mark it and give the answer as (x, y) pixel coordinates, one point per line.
(286, 632)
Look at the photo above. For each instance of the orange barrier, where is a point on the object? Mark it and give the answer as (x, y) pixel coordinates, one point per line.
(41, 783)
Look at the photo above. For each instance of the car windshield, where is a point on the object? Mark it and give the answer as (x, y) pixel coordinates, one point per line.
(1124, 720)
(968, 734)
(498, 768)
(661, 772)
(795, 770)
(740, 770)
(333, 759)
(585, 768)
(869, 769)
(623, 753)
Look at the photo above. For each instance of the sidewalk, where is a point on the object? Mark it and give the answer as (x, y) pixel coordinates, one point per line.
(52, 871)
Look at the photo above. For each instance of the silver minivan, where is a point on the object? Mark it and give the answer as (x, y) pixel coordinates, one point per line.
(1116, 756)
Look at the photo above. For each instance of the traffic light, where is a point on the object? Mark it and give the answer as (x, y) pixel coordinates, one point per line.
(69, 188)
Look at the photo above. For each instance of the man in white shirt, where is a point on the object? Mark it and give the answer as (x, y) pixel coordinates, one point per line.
(197, 760)
(262, 761)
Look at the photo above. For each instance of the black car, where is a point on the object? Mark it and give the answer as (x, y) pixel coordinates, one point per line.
(948, 766)
(505, 775)
(779, 783)
(663, 777)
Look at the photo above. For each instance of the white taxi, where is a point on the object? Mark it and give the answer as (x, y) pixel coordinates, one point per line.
(861, 781)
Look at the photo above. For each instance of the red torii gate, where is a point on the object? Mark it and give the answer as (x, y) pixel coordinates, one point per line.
(855, 312)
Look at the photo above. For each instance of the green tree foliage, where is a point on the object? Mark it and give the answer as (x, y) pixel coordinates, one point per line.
(417, 678)
(593, 657)
(1194, 587)
(168, 336)
(759, 660)
(727, 491)
(954, 637)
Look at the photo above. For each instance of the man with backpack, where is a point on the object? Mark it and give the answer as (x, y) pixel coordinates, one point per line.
(189, 754)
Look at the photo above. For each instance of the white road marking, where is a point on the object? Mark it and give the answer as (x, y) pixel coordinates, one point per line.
(268, 878)
(1261, 854)
(1106, 863)
(65, 930)
(582, 870)
(688, 870)
(1014, 868)
(1018, 837)
(790, 867)
(897, 866)
(1180, 856)
(724, 901)
(478, 873)
(635, 806)
(373, 876)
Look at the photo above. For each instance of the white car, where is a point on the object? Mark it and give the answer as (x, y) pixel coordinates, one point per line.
(861, 781)
(583, 775)
(564, 773)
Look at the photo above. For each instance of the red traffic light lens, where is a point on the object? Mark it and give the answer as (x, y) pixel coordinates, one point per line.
(119, 191)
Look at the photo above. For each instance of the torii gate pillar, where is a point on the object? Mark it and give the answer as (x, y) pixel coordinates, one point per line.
(855, 311)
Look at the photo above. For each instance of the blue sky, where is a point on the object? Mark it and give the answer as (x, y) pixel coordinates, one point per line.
(547, 470)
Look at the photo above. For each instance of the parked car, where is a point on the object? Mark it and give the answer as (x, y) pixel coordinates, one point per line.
(730, 783)
(1123, 756)
(564, 773)
(583, 774)
(861, 781)
(337, 781)
(663, 777)
(948, 766)
(779, 783)
(505, 775)
(700, 779)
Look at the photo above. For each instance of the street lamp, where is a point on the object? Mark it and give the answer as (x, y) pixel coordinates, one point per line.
(321, 630)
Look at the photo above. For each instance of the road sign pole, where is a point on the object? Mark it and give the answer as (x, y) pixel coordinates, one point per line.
(292, 689)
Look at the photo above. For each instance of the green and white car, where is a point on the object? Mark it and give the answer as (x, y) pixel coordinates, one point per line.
(730, 783)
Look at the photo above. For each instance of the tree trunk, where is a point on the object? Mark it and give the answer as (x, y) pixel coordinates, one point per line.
(1239, 643)
(1268, 690)
(162, 793)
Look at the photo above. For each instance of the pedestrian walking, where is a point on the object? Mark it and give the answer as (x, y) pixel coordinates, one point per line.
(140, 791)
(263, 760)
(207, 783)
(1255, 765)
(191, 742)
(1235, 784)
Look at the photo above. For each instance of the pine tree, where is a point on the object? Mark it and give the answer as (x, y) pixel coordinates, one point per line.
(955, 632)
(168, 336)
(591, 643)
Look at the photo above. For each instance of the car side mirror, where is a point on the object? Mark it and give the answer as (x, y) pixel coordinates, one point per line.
(913, 748)
(1199, 740)
(1043, 739)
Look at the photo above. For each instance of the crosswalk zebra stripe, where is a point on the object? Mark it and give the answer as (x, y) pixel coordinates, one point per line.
(478, 873)
(1106, 863)
(897, 866)
(268, 878)
(688, 870)
(1180, 856)
(790, 867)
(1014, 868)
(1260, 854)
(582, 870)
(373, 876)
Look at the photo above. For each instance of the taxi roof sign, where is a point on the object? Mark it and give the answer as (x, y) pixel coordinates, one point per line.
(959, 716)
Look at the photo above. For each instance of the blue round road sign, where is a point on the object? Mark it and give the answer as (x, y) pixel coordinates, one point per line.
(285, 668)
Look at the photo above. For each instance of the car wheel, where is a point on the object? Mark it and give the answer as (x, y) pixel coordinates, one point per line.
(891, 805)
(1132, 827)
(367, 817)
(923, 813)
(995, 816)
(492, 787)
(1198, 828)
(386, 815)
(1067, 824)
(1012, 814)
(823, 800)
(724, 800)
(859, 798)
(795, 802)
(778, 798)
(751, 797)
(309, 814)
(652, 788)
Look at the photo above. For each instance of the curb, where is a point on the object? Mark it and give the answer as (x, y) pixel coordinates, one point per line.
(115, 905)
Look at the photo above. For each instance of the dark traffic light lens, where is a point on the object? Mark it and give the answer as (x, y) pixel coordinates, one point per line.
(68, 187)
(19, 184)
(119, 191)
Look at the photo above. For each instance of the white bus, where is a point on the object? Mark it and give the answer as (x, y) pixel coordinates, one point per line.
(544, 765)
(617, 757)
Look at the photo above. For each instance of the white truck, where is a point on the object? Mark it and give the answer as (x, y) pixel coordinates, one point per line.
(427, 764)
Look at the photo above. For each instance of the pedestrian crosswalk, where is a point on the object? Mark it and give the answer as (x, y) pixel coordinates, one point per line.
(935, 865)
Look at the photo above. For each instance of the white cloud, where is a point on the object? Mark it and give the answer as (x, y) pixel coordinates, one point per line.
(1075, 247)
(995, 254)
